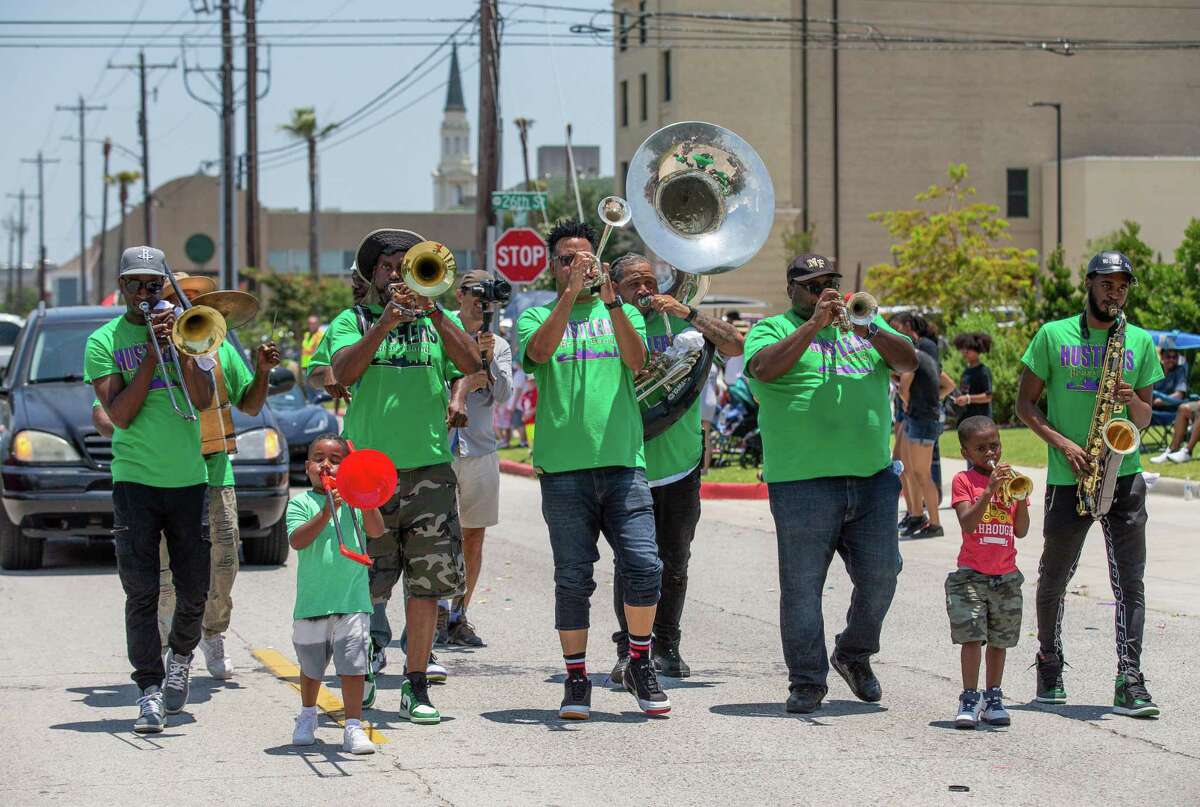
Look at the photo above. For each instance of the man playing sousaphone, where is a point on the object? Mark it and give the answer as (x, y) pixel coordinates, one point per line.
(159, 479)
(399, 353)
(673, 461)
(1083, 363)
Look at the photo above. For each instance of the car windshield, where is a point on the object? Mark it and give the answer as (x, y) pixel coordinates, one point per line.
(8, 333)
(288, 401)
(58, 351)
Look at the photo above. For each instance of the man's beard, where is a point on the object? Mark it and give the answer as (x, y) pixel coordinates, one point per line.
(1097, 311)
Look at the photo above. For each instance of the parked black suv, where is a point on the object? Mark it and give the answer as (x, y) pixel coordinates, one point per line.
(55, 479)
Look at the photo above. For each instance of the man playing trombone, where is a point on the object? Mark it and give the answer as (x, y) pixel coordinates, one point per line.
(159, 478)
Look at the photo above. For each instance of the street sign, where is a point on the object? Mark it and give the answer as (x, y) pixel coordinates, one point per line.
(520, 255)
(518, 200)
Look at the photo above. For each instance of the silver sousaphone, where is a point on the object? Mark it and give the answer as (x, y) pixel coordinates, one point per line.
(703, 202)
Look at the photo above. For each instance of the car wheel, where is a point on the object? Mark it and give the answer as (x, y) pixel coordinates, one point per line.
(16, 551)
(270, 550)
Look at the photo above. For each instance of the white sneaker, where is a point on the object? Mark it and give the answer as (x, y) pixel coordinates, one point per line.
(1159, 459)
(1182, 455)
(305, 732)
(434, 671)
(219, 664)
(354, 741)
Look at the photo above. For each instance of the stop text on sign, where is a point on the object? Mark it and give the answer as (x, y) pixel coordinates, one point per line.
(508, 257)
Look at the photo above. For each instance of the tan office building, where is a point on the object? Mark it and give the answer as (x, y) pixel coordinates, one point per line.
(903, 115)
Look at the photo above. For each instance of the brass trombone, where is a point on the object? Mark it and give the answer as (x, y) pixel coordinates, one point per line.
(428, 269)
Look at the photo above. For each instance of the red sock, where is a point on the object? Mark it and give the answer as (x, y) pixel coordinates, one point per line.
(639, 646)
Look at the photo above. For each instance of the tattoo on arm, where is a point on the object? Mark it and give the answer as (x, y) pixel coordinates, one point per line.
(715, 330)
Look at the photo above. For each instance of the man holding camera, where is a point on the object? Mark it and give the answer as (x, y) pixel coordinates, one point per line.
(476, 463)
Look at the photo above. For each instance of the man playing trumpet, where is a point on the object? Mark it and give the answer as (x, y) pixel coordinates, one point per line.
(399, 354)
(159, 479)
(672, 464)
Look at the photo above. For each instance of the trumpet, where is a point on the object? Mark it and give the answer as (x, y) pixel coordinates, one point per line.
(190, 414)
(614, 212)
(860, 310)
(1015, 488)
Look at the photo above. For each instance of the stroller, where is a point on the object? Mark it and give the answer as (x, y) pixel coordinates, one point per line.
(735, 434)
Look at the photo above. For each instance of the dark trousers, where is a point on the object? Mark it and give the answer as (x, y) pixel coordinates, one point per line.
(814, 518)
(676, 514)
(142, 515)
(1124, 529)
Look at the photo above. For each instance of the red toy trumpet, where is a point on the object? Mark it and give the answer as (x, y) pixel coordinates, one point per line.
(366, 479)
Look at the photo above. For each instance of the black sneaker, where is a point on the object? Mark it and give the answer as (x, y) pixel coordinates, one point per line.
(577, 698)
(909, 521)
(927, 531)
(859, 678)
(667, 660)
(641, 681)
(1132, 698)
(617, 676)
(1050, 687)
(915, 524)
(462, 633)
(805, 698)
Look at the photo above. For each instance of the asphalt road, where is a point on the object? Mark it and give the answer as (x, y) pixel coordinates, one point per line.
(66, 698)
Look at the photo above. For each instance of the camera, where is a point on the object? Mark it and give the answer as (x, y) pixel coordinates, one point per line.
(493, 290)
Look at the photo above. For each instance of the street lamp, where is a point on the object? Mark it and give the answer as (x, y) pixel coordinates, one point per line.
(1058, 156)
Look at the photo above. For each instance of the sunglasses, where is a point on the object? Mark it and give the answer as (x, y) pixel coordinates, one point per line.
(818, 286)
(133, 286)
(565, 260)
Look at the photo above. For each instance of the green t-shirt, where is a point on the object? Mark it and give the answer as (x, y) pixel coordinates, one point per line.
(237, 381)
(159, 448)
(676, 451)
(399, 404)
(326, 582)
(320, 357)
(587, 410)
(1070, 367)
(828, 415)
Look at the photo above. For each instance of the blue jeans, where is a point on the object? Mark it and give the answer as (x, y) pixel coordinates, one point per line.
(578, 506)
(855, 517)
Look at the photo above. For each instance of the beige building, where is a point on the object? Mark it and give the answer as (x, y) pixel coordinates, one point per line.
(904, 115)
(186, 213)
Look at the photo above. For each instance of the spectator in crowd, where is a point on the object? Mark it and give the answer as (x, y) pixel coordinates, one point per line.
(1170, 401)
(974, 396)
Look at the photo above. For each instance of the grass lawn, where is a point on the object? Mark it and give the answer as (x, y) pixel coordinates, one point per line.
(1021, 447)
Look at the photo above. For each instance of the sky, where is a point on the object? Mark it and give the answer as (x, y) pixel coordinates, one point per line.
(387, 157)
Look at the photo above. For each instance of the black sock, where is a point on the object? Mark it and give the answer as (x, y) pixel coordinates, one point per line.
(417, 679)
(576, 664)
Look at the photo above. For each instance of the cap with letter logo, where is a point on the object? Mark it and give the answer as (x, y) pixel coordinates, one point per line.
(143, 261)
(809, 265)
(1111, 262)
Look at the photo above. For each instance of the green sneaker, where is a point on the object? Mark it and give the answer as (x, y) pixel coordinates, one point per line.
(414, 703)
(1132, 698)
(369, 690)
(1049, 679)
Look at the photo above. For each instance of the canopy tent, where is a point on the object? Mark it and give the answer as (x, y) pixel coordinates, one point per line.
(1177, 339)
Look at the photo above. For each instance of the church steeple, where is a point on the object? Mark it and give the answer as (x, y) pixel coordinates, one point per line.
(454, 93)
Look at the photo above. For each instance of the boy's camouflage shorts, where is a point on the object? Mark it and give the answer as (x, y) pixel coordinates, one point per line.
(984, 608)
(423, 539)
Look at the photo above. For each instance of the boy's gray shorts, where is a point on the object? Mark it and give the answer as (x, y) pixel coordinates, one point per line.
(345, 638)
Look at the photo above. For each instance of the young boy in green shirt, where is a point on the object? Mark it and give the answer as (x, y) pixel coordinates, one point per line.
(333, 597)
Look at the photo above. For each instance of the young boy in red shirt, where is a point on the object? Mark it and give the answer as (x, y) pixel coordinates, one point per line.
(983, 597)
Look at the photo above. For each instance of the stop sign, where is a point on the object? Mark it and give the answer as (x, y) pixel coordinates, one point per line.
(520, 255)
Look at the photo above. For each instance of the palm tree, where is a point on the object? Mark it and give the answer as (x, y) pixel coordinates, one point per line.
(303, 126)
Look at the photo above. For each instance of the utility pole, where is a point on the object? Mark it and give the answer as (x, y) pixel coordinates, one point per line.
(228, 222)
(11, 225)
(837, 218)
(252, 245)
(144, 135)
(489, 86)
(41, 197)
(107, 147)
(82, 109)
(523, 125)
(21, 228)
(804, 114)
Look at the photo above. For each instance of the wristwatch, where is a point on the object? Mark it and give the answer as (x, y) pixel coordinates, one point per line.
(872, 329)
(691, 315)
(616, 303)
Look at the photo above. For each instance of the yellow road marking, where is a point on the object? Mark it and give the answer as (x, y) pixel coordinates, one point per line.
(286, 670)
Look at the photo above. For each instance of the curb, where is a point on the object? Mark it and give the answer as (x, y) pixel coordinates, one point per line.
(708, 490)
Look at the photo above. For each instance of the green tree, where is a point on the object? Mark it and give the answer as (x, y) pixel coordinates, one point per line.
(1057, 296)
(288, 301)
(303, 126)
(1167, 295)
(950, 254)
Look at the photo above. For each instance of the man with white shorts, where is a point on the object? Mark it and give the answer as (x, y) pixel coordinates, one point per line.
(476, 463)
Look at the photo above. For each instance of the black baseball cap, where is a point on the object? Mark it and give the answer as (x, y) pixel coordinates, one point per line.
(809, 265)
(1111, 262)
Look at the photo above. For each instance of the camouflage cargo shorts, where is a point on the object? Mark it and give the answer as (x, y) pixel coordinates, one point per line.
(423, 539)
(984, 608)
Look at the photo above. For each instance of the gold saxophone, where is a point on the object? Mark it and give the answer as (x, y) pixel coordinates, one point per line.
(1110, 437)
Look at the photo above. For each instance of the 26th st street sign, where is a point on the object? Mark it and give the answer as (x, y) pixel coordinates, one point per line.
(520, 255)
(518, 201)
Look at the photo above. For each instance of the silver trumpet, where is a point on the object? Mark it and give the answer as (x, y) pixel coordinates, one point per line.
(190, 414)
(859, 310)
(614, 212)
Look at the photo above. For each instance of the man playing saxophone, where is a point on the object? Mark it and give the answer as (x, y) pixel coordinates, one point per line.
(1067, 360)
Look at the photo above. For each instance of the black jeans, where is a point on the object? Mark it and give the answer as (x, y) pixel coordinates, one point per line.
(142, 514)
(1124, 531)
(676, 514)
